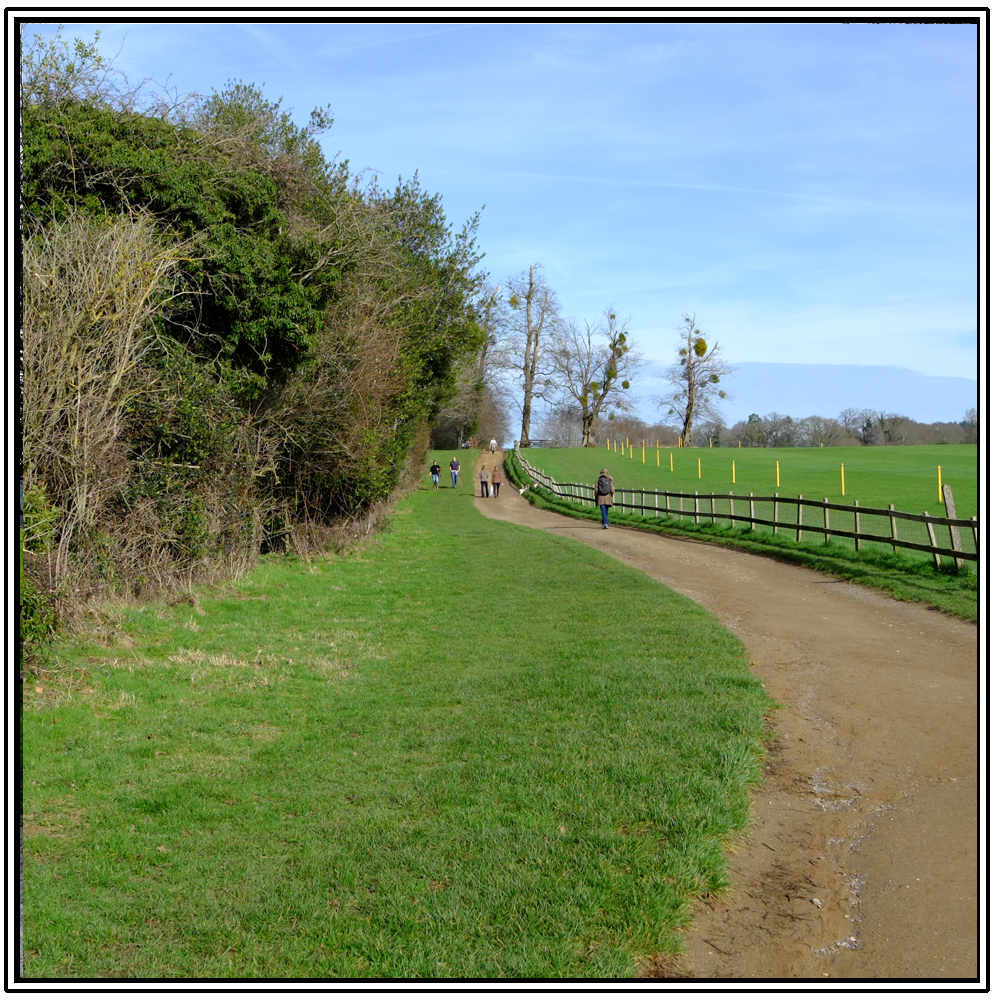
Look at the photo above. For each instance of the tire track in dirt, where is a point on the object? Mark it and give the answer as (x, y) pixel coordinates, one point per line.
(861, 861)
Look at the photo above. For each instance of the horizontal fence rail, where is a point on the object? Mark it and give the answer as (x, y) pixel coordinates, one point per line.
(896, 528)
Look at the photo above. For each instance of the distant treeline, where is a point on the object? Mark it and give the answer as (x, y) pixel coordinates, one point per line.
(773, 430)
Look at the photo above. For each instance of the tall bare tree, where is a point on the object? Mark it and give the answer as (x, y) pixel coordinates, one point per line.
(592, 367)
(695, 379)
(532, 321)
(476, 383)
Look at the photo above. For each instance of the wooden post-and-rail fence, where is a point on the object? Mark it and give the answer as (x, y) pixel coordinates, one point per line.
(810, 515)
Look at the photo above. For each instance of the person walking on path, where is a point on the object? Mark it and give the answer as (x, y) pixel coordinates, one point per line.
(484, 482)
(435, 473)
(604, 495)
(497, 479)
(493, 446)
(456, 468)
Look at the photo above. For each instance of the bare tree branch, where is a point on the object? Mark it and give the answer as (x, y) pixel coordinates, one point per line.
(695, 379)
(592, 368)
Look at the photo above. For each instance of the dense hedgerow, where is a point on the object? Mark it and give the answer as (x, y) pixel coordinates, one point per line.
(226, 338)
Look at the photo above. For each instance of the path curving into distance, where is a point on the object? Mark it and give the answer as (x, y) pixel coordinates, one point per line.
(861, 861)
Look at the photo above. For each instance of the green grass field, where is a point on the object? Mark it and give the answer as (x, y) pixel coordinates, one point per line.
(907, 575)
(471, 750)
(904, 475)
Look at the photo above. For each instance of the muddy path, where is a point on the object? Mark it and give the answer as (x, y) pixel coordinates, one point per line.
(861, 861)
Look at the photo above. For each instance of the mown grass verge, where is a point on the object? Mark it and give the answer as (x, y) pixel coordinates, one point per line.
(907, 579)
(474, 750)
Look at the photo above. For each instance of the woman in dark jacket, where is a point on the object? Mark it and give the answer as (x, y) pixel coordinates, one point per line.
(604, 495)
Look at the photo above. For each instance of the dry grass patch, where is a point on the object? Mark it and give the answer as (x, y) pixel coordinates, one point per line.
(62, 820)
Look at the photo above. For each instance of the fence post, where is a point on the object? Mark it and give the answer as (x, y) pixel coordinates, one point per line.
(956, 535)
(930, 534)
(826, 521)
(697, 520)
(892, 528)
(857, 529)
(798, 520)
(732, 511)
(713, 505)
(774, 516)
(751, 511)
(975, 535)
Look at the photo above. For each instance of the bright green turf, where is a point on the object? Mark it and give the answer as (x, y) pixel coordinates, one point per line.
(906, 575)
(474, 750)
(904, 475)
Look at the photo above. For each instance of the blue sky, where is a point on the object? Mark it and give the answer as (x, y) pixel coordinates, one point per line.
(808, 190)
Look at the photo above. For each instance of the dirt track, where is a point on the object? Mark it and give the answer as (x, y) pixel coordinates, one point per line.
(861, 862)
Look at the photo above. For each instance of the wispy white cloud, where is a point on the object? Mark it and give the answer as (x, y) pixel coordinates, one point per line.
(335, 50)
(819, 201)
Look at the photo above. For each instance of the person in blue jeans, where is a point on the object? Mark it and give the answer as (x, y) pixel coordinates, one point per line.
(604, 495)
(456, 468)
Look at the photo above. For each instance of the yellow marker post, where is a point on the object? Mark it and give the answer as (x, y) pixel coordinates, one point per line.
(739, 444)
(777, 474)
(679, 443)
(940, 494)
(671, 461)
(627, 445)
(842, 492)
(643, 452)
(710, 441)
(609, 444)
(734, 473)
(699, 468)
(657, 442)
(657, 457)
(630, 451)
(821, 444)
